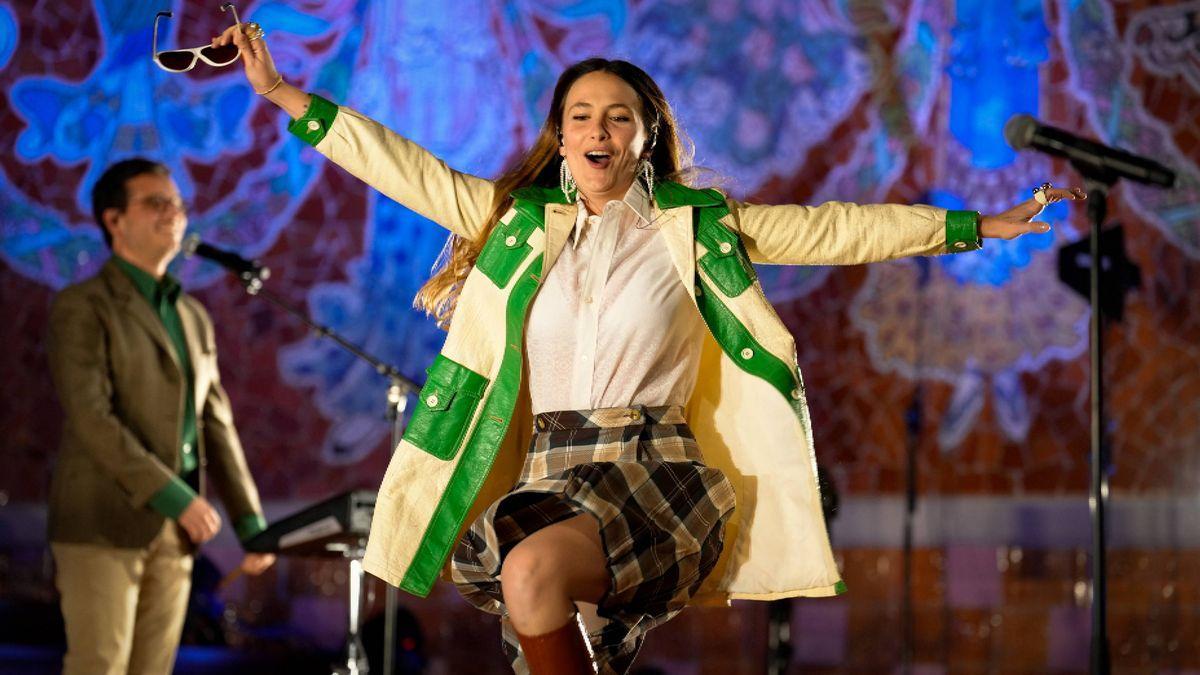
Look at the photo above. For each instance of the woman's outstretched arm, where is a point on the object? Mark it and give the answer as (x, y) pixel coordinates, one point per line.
(840, 233)
(385, 160)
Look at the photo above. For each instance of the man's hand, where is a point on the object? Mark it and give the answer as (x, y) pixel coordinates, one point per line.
(255, 564)
(200, 520)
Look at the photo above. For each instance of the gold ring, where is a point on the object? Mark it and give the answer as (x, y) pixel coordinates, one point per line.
(254, 31)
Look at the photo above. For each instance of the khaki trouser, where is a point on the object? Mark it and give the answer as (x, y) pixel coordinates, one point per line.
(124, 608)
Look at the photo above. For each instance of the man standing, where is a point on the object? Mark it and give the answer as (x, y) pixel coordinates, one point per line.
(134, 362)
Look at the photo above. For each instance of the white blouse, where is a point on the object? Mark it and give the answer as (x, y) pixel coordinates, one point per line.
(613, 325)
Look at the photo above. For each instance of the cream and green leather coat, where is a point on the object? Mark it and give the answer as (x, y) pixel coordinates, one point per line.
(472, 424)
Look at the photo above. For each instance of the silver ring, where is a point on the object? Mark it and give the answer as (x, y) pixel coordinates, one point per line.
(1039, 193)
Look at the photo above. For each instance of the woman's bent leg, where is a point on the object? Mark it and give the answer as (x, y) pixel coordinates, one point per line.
(541, 579)
(551, 569)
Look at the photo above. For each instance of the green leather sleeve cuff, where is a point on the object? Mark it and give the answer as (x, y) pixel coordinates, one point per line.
(248, 526)
(173, 498)
(312, 126)
(962, 231)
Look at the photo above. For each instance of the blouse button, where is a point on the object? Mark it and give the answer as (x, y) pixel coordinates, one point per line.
(747, 353)
(796, 394)
(511, 240)
(431, 400)
(726, 247)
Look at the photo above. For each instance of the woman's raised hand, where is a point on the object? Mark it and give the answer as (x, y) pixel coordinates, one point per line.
(256, 58)
(1019, 219)
(260, 69)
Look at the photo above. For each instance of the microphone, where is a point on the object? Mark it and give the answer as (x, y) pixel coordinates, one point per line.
(1023, 131)
(245, 269)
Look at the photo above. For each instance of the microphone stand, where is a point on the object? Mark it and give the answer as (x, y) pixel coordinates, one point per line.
(1100, 167)
(1097, 183)
(399, 387)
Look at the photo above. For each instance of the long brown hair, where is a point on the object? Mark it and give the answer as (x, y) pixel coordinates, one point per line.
(439, 295)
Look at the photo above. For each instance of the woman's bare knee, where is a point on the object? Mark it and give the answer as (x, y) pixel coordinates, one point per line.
(534, 590)
(561, 563)
(528, 572)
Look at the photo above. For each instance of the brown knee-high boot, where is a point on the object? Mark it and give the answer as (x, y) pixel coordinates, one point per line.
(562, 651)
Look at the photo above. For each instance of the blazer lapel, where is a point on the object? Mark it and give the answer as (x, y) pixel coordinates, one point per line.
(135, 306)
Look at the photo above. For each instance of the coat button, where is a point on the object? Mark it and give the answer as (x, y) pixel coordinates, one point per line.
(431, 400)
(796, 394)
(510, 240)
(960, 244)
(313, 125)
(747, 353)
(635, 414)
(726, 247)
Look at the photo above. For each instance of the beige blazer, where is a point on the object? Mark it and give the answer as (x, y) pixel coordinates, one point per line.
(121, 389)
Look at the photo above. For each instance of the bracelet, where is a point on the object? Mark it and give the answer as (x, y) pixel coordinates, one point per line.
(271, 88)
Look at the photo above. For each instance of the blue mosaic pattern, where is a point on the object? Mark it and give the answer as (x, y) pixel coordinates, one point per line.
(760, 85)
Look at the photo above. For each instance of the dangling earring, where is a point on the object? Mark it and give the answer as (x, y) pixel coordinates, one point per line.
(647, 171)
(565, 180)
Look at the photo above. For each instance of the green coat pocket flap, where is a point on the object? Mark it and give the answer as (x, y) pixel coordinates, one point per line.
(724, 263)
(445, 407)
(507, 247)
(718, 239)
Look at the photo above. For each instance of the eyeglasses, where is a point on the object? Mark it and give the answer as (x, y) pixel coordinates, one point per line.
(160, 204)
(183, 60)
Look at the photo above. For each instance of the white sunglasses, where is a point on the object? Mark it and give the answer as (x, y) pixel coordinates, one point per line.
(183, 60)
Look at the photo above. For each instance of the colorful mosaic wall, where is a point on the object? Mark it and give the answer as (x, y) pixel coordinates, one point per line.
(978, 363)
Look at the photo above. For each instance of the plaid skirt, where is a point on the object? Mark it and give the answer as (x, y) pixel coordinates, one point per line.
(661, 512)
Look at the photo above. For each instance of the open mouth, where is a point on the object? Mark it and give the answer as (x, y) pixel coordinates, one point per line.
(598, 159)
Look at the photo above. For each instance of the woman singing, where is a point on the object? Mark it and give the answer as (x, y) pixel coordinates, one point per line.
(616, 418)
